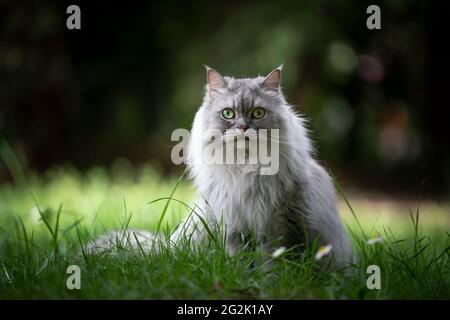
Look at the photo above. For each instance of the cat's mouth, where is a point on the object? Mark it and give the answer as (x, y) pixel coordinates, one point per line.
(238, 137)
(241, 139)
(239, 133)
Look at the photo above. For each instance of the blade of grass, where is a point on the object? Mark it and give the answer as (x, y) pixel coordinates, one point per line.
(163, 214)
(338, 187)
(25, 239)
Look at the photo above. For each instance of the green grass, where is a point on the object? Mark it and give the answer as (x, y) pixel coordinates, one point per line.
(45, 219)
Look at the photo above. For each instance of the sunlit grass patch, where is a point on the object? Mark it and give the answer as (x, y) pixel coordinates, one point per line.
(98, 199)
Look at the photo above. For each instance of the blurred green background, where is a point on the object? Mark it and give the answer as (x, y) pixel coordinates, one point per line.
(133, 73)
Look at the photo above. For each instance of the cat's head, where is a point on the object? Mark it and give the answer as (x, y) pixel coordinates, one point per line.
(240, 104)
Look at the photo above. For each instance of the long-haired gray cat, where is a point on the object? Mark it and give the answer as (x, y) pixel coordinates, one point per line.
(293, 207)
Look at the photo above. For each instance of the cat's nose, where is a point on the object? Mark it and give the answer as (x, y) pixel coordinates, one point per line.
(243, 127)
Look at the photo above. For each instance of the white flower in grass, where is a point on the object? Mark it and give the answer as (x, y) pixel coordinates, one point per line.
(375, 240)
(323, 251)
(35, 216)
(278, 252)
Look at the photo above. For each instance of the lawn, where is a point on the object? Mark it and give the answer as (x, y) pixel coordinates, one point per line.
(44, 221)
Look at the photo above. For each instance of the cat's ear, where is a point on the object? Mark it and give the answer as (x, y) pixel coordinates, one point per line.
(272, 81)
(214, 79)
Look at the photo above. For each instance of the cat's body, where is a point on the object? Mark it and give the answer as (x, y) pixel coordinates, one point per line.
(293, 207)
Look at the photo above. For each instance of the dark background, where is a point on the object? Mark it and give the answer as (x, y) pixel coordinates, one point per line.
(133, 73)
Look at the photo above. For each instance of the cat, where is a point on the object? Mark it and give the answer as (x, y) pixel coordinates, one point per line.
(294, 207)
(290, 208)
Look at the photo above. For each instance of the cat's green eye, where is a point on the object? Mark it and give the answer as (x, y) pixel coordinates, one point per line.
(258, 113)
(228, 113)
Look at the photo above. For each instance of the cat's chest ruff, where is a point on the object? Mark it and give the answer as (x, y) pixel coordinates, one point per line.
(241, 196)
